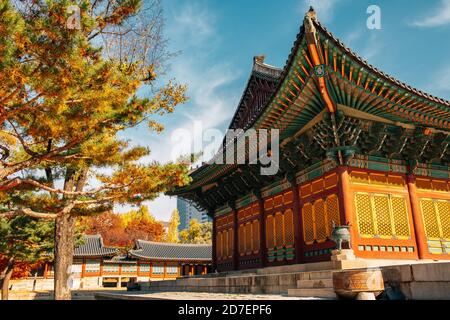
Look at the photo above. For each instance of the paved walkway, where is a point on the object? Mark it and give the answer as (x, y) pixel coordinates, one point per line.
(193, 296)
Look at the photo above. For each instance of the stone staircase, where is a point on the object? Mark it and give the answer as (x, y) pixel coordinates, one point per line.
(317, 284)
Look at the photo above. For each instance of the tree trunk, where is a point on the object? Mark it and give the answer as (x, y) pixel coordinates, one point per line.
(7, 277)
(64, 238)
(64, 243)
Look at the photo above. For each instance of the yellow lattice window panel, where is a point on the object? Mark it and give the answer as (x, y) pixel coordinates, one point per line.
(270, 239)
(279, 233)
(436, 218)
(430, 219)
(401, 221)
(255, 232)
(383, 215)
(365, 216)
(332, 212)
(444, 217)
(241, 239)
(320, 221)
(308, 223)
(219, 245)
(248, 238)
(289, 227)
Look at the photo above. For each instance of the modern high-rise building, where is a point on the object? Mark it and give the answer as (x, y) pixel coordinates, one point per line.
(188, 212)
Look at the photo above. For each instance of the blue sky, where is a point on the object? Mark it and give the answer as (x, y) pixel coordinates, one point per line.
(217, 40)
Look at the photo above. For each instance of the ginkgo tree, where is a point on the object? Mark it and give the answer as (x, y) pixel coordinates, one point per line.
(65, 93)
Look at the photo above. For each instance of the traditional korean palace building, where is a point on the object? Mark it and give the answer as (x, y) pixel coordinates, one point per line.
(357, 147)
(96, 265)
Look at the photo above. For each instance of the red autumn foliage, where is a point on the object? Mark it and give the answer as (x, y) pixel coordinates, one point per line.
(118, 231)
(21, 269)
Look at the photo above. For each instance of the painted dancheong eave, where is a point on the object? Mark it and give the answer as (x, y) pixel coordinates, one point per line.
(339, 117)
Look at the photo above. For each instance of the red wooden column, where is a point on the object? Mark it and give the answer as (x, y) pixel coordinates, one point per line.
(419, 229)
(214, 241)
(262, 229)
(346, 202)
(83, 268)
(235, 237)
(298, 222)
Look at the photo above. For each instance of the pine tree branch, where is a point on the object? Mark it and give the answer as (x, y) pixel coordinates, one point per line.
(30, 213)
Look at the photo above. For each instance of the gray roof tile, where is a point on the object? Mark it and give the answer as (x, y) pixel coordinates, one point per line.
(93, 247)
(171, 251)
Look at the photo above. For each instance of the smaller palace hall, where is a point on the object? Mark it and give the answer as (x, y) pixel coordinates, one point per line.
(97, 265)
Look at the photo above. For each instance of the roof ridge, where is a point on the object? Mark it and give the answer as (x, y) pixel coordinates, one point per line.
(370, 66)
(174, 244)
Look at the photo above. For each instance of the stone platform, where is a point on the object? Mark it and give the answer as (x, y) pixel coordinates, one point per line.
(416, 280)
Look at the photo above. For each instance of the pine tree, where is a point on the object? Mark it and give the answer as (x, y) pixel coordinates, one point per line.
(23, 239)
(65, 93)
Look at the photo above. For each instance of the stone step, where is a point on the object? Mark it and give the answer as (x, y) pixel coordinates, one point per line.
(315, 284)
(314, 275)
(312, 293)
(296, 268)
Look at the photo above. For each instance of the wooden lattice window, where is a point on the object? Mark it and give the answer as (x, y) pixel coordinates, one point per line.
(382, 215)
(289, 227)
(270, 230)
(248, 238)
(365, 215)
(332, 204)
(320, 221)
(400, 213)
(308, 223)
(436, 218)
(219, 245)
(225, 244)
(255, 232)
(241, 239)
(230, 243)
(444, 217)
(279, 233)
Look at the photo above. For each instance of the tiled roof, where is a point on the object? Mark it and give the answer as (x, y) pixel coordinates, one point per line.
(93, 247)
(171, 251)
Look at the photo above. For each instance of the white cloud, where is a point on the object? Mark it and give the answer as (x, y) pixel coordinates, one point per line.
(324, 8)
(192, 30)
(439, 17)
(440, 85)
